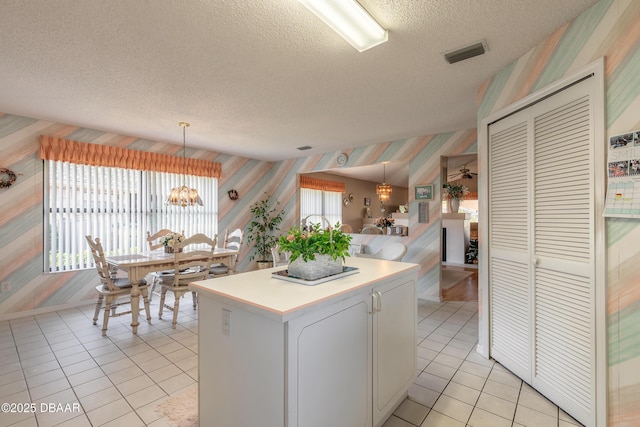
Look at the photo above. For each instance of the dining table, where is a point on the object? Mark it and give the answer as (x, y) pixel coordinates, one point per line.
(138, 265)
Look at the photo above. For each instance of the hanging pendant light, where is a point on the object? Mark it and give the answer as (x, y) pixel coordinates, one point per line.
(184, 196)
(384, 190)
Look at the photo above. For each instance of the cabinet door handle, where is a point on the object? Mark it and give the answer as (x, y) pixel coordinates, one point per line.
(378, 301)
(374, 302)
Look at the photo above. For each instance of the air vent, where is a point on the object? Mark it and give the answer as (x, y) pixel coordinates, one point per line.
(466, 52)
(304, 147)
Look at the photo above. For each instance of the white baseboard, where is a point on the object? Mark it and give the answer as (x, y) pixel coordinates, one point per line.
(45, 310)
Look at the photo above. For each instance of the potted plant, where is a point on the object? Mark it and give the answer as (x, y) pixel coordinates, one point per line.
(454, 193)
(265, 221)
(315, 252)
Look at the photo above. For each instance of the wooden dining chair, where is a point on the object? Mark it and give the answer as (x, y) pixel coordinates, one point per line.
(232, 241)
(111, 288)
(279, 258)
(153, 240)
(189, 266)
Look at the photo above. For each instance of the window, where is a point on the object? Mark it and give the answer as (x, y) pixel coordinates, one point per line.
(118, 206)
(320, 202)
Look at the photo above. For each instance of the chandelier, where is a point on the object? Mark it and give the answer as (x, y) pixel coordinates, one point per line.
(384, 190)
(184, 196)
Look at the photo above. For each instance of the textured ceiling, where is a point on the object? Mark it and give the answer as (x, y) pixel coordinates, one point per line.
(259, 78)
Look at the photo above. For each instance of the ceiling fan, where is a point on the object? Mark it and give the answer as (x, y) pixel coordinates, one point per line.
(464, 173)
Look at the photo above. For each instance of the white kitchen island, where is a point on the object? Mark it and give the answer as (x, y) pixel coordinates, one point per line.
(274, 353)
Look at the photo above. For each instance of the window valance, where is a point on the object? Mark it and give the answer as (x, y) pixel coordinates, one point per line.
(321, 184)
(54, 148)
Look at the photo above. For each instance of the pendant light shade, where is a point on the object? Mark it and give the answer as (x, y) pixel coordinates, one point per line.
(384, 190)
(184, 196)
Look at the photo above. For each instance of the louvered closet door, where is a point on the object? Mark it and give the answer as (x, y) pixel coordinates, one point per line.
(509, 260)
(541, 247)
(563, 252)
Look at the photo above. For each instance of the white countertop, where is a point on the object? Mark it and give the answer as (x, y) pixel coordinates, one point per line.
(258, 291)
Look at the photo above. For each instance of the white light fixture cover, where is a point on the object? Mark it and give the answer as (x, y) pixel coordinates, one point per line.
(184, 196)
(350, 20)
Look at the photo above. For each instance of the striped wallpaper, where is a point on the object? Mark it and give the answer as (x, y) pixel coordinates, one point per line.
(21, 225)
(609, 29)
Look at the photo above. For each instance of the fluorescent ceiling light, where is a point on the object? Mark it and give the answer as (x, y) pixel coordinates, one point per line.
(350, 20)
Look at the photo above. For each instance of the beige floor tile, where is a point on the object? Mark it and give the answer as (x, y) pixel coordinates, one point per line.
(147, 413)
(56, 374)
(463, 393)
(482, 418)
(130, 419)
(440, 370)
(412, 412)
(436, 419)
(110, 412)
(475, 369)
(469, 380)
(537, 402)
(502, 391)
(431, 381)
(530, 418)
(134, 385)
(177, 383)
(394, 421)
(79, 421)
(92, 386)
(455, 352)
(12, 388)
(100, 398)
(78, 367)
(497, 406)
(453, 408)
(506, 378)
(85, 376)
(165, 373)
(145, 396)
(423, 395)
(49, 388)
(125, 374)
(445, 359)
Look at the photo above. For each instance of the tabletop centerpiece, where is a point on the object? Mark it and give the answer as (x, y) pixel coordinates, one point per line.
(169, 240)
(384, 222)
(315, 252)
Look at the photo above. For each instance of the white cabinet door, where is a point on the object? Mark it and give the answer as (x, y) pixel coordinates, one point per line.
(542, 245)
(509, 241)
(394, 345)
(329, 366)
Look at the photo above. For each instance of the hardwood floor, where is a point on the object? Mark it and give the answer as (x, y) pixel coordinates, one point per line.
(464, 290)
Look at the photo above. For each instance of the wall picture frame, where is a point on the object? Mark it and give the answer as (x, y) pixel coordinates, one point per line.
(367, 201)
(424, 192)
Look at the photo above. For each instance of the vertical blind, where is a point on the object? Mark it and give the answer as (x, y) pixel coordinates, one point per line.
(318, 202)
(118, 206)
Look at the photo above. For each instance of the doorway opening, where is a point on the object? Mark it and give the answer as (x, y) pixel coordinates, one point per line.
(459, 233)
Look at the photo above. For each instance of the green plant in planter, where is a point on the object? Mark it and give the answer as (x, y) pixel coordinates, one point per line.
(455, 191)
(306, 243)
(472, 251)
(265, 221)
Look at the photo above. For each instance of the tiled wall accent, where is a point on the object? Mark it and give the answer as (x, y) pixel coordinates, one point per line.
(608, 29)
